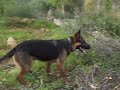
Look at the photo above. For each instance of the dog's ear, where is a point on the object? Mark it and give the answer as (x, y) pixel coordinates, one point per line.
(77, 35)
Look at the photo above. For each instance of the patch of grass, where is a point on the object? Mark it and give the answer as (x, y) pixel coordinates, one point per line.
(7, 78)
(57, 33)
(42, 24)
(17, 22)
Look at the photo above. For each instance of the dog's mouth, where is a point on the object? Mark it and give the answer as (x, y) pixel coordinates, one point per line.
(83, 48)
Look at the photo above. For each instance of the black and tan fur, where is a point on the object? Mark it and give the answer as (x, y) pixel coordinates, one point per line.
(45, 50)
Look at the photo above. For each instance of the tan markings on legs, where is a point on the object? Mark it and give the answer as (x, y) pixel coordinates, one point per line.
(20, 77)
(16, 63)
(60, 63)
(60, 66)
(23, 60)
(48, 67)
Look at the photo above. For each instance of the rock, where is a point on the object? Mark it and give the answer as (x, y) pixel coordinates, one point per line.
(11, 42)
(58, 22)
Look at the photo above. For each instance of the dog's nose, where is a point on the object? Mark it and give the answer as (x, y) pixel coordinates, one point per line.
(89, 47)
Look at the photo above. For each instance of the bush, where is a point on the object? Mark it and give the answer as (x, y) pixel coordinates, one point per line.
(112, 25)
(23, 9)
(100, 23)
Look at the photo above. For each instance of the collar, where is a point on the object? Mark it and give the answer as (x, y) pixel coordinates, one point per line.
(69, 40)
(69, 47)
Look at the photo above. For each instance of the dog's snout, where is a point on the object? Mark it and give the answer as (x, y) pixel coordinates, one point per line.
(85, 46)
(88, 46)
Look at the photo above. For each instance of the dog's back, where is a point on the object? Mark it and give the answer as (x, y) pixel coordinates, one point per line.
(41, 49)
(45, 50)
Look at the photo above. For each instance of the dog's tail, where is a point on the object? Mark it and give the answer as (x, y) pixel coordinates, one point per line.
(7, 56)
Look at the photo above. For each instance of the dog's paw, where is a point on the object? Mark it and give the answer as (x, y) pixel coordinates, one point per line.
(28, 84)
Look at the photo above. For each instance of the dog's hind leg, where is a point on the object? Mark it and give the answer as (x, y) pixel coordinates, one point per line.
(20, 77)
(24, 61)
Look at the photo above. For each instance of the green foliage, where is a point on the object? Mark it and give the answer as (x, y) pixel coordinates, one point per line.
(40, 8)
(19, 8)
(55, 2)
(42, 24)
(112, 25)
(101, 23)
(1, 7)
(17, 22)
(3, 22)
(109, 24)
(107, 5)
(5, 78)
(88, 5)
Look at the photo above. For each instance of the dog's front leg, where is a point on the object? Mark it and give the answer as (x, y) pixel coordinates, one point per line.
(60, 66)
(48, 64)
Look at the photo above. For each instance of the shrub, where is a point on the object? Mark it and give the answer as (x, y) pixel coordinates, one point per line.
(101, 23)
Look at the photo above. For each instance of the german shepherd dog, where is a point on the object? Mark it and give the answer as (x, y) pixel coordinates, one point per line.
(44, 50)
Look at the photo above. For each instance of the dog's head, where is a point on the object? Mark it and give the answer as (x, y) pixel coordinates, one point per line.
(79, 43)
